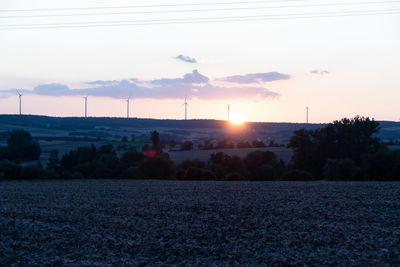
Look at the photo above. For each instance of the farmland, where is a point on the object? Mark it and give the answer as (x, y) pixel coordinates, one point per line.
(121, 222)
(203, 155)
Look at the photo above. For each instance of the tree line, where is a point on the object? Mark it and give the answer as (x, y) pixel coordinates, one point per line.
(343, 150)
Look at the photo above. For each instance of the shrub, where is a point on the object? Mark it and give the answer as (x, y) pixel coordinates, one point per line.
(222, 164)
(347, 138)
(4, 153)
(187, 145)
(258, 158)
(234, 176)
(54, 161)
(34, 172)
(157, 168)
(192, 163)
(243, 144)
(297, 175)
(131, 157)
(10, 170)
(340, 169)
(22, 146)
(193, 173)
(265, 172)
(130, 173)
(257, 143)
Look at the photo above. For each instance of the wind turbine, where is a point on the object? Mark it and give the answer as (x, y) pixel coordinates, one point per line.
(185, 108)
(307, 110)
(85, 97)
(20, 102)
(229, 112)
(127, 108)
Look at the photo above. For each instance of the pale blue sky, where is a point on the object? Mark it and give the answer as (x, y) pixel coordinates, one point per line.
(356, 58)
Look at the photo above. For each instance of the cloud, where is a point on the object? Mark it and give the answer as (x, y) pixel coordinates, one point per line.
(186, 59)
(52, 89)
(257, 77)
(100, 82)
(192, 84)
(189, 78)
(321, 72)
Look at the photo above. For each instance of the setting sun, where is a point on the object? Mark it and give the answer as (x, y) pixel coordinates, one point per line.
(237, 119)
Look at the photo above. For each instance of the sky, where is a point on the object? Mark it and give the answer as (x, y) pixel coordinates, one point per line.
(269, 60)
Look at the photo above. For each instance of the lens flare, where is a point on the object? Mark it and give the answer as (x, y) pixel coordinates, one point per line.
(237, 119)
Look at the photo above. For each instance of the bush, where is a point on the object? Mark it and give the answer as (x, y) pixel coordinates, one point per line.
(34, 172)
(4, 153)
(234, 176)
(157, 168)
(131, 157)
(222, 164)
(192, 163)
(71, 175)
(243, 144)
(193, 173)
(340, 169)
(79, 156)
(54, 161)
(257, 143)
(22, 146)
(130, 173)
(258, 158)
(187, 145)
(10, 170)
(347, 138)
(297, 175)
(264, 173)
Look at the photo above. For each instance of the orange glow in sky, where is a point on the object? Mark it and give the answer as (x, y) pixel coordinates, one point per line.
(237, 118)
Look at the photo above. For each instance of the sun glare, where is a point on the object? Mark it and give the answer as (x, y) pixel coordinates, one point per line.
(237, 119)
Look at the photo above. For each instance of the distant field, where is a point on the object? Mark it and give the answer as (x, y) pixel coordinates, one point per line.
(63, 147)
(130, 223)
(178, 156)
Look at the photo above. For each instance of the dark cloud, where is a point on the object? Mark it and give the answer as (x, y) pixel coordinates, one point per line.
(257, 77)
(321, 72)
(191, 84)
(186, 59)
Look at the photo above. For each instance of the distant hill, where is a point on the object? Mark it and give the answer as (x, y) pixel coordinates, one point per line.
(115, 128)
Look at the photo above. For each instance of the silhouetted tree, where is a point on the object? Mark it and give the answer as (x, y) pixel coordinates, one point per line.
(222, 164)
(34, 172)
(187, 145)
(263, 165)
(243, 144)
(131, 158)
(340, 169)
(296, 175)
(194, 173)
(157, 167)
(257, 143)
(186, 164)
(22, 146)
(54, 161)
(172, 143)
(155, 140)
(347, 138)
(10, 170)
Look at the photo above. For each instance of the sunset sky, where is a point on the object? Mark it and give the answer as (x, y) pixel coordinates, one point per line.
(268, 59)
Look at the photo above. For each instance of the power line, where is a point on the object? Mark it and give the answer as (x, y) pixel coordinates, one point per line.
(198, 20)
(150, 6)
(198, 10)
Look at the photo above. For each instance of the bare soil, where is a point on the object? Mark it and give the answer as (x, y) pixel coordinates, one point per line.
(129, 223)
